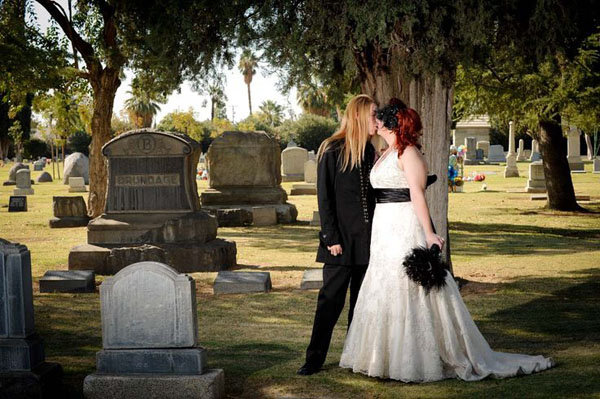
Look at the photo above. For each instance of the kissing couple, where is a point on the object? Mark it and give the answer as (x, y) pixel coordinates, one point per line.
(373, 218)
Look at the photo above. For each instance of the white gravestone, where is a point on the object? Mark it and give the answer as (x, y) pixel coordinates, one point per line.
(292, 163)
(77, 185)
(537, 179)
(309, 187)
(535, 152)
(574, 150)
(521, 151)
(511, 169)
(23, 178)
(76, 165)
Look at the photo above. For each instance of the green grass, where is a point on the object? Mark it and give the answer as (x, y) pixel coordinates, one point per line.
(533, 287)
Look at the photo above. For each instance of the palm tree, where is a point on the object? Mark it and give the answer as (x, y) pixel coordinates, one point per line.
(273, 112)
(247, 66)
(141, 108)
(313, 99)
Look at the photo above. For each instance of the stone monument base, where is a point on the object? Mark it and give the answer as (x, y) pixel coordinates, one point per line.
(44, 381)
(172, 361)
(68, 221)
(21, 353)
(533, 189)
(23, 191)
(212, 256)
(210, 385)
(242, 282)
(9, 183)
(576, 166)
(242, 215)
(78, 189)
(292, 177)
(68, 281)
(242, 195)
(304, 189)
(511, 172)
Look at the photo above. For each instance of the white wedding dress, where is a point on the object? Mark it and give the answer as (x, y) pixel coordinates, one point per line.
(400, 332)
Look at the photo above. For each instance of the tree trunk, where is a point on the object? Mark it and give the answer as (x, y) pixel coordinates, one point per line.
(432, 99)
(105, 87)
(249, 99)
(561, 194)
(4, 125)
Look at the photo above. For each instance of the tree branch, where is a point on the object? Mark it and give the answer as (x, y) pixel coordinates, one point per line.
(86, 49)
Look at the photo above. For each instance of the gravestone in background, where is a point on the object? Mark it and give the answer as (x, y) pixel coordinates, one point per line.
(12, 173)
(152, 209)
(309, 187)
(77, 185)
(23, 370)
(150, 338)
(470, 156)
(535, 152)
(511, 169)
(76, 165)
(574, 150)
(69, 212)
(521, 156)
(44, 177)
(485, 146)
(292, 163)
(537, 178)
(23, 180)
(244, 172)
(17, 203)
(496, 154)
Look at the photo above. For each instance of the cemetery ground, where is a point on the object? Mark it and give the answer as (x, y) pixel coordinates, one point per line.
(532, 286)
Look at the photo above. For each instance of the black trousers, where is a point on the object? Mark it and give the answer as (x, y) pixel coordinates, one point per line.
(332, 296)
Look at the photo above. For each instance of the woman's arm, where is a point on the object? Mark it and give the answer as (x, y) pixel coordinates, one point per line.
(415, 171)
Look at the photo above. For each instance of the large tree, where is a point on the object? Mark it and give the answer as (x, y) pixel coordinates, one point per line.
(544, 93)
(166, 41)
(19, 82)
(403, 49)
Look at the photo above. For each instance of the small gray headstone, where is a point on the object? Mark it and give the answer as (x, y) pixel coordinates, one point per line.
(77, 185)
(228, 282)
(38, 165)
(264, 216)
(44, 177)
(68, 281)
(312, 279)
(23, 183)
(12, 173)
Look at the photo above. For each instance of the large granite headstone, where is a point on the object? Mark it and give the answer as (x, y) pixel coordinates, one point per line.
(245, 171)
(76, 165)
(152, 209)
(292, 163)
(23, 370)
(496, 153)
(150, 338)
(23, 180)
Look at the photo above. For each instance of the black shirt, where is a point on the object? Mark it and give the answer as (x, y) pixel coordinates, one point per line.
(346, 206)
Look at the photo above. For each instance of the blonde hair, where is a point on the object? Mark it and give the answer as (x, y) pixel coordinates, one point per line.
(354, 131)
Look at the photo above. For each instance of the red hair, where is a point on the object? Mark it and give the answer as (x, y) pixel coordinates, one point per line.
(409, 128)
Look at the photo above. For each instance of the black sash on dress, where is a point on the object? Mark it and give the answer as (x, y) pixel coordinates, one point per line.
(387, 195)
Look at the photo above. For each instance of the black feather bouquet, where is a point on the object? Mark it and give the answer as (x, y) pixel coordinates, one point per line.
(425, 267)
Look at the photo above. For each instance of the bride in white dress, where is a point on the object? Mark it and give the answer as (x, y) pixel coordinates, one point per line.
(400, 331)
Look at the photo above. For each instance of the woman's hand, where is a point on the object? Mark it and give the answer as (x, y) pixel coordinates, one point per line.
(335, 250)
(434, 239)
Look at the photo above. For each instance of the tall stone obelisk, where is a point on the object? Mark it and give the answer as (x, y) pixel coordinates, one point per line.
(511, 169)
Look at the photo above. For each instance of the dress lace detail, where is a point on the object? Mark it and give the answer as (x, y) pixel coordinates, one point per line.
(400, 332)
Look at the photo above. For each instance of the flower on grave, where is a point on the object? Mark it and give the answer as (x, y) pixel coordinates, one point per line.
(458, 182)
(480, 177)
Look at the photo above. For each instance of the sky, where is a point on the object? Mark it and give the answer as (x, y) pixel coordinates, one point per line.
(263, 87)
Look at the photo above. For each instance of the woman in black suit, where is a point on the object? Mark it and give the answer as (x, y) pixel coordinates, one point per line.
(346, 204)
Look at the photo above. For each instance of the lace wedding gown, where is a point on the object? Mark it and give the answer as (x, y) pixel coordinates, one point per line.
(400, 332)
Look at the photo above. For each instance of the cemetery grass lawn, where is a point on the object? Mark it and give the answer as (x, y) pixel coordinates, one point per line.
(532, 286)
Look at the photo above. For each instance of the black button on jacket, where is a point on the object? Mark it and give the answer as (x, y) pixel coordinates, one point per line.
(345, 207)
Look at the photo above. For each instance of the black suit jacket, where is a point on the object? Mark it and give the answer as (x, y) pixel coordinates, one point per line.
(345, 208)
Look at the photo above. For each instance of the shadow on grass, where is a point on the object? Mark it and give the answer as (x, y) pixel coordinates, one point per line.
(513, 239)
(272, 268)
(281, 237)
